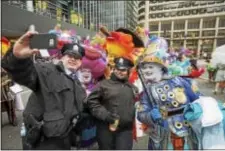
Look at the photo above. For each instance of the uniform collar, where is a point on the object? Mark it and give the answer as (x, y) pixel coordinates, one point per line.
(61, 68)
(67, 71)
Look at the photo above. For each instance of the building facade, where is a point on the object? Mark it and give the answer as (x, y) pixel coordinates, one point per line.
(112, 14)
(18, 15)
(197, 25)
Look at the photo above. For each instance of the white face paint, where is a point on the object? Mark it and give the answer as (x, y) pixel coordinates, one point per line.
(152, 72)
(85, 75)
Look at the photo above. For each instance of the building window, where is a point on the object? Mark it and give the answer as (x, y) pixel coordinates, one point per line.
(153, 27)
(193, 34)
(222, 22)
(165, 34)
(160, 15)
(193, 25)
(208, 33)
(192, 44)
(179, 26)
(194, 12)
(152, 15)
(141, 17)
(180, 13)
(220, 42)
(209, 23)
(166, 26)
(141, 3)
(141, 25)
(173, 14)
(178, 35)
(202, 10)
(221, 32)
(142, 10)
(177, 44)
(153, 8)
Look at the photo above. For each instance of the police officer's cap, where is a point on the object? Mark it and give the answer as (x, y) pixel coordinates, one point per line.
(123, 63)
(75, 50)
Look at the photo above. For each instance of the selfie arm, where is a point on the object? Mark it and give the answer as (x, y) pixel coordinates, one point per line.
(22, 70)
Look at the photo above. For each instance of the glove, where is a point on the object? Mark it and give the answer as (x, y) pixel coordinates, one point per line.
(111, 118)
(156, 115)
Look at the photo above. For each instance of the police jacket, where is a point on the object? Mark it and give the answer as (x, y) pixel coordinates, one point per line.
(57, 97)
(112, 96)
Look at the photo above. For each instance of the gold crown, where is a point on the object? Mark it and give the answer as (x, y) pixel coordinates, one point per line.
(153, 59)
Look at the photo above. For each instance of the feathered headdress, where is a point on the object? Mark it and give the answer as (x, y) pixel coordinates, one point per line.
(95, 56)
(141, 32)
(156, 51)
(121, 43)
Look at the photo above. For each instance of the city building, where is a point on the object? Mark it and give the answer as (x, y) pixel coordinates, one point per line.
(18, 15)
(112, 14)
(197, 25)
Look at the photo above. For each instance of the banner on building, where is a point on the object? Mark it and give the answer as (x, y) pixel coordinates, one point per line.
(44, 5)
(41, 5)
(92, 26)
(73, 17)
(80, 19)
(59, 14)
(38, 4)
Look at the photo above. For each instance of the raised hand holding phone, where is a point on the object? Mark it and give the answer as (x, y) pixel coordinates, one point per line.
(22, 48)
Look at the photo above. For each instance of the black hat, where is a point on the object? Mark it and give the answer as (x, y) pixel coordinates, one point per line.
(123, 63)
(136, 39)
(74, 49)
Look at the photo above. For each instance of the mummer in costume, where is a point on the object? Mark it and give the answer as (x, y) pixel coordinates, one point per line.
(178, 116)
(162, 104)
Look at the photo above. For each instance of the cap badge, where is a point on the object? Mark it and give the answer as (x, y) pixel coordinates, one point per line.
(121, 60)
(75, 48)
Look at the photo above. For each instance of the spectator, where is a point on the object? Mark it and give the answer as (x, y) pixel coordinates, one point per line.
(211, 71)
(220, 78)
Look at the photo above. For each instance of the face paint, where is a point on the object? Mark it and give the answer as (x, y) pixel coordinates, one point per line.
(85, 76)
(152, 72)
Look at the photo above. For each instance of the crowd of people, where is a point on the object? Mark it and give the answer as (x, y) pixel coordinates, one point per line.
(91, 89)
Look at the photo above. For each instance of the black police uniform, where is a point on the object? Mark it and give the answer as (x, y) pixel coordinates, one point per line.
(114, 98)
(56, 100)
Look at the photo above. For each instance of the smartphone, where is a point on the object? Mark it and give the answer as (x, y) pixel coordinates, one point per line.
(43, 41)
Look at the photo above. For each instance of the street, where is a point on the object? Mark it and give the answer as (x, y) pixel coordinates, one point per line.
(11, 135)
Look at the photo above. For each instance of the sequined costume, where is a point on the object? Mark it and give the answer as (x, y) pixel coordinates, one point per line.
(172, 95)
(164, 99)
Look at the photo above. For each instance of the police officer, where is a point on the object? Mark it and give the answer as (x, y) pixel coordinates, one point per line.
(112, 103)
(57, 96)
